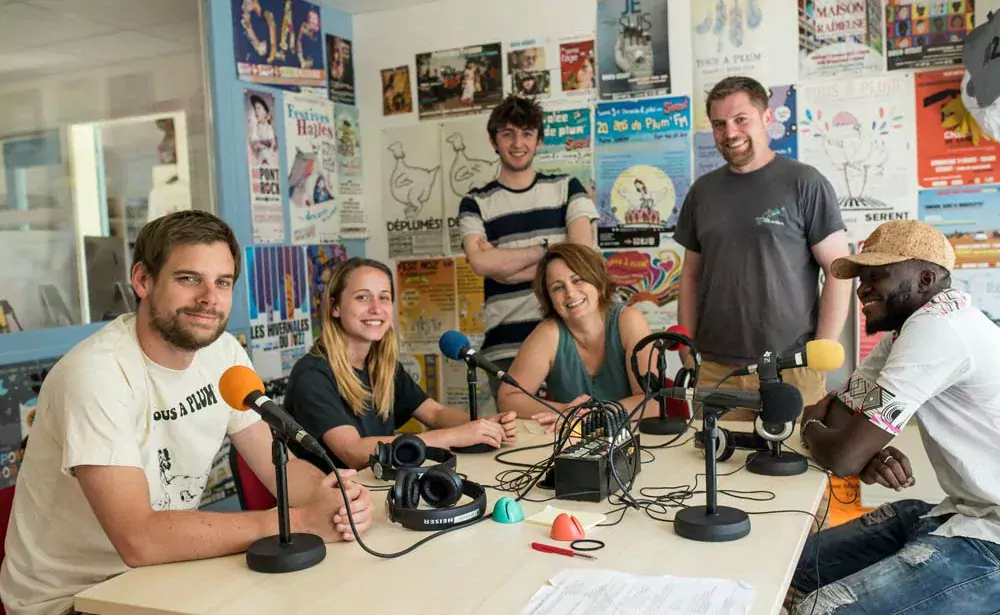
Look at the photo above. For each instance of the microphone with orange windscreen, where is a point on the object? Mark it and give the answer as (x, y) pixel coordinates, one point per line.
(243, 389)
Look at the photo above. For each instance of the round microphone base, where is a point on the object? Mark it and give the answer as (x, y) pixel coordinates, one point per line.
(474, 448)
(726, 524)
(785, 463)
(271, 556)
(662, 427)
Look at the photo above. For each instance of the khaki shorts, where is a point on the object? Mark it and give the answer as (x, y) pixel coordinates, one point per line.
(810, 383)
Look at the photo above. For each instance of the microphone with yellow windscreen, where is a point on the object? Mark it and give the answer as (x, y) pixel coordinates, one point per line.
(818, 355)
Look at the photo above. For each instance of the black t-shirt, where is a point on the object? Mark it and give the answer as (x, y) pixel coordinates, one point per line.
(314, 400)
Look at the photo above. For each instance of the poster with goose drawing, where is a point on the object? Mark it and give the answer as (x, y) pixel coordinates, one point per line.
(411, 190)
(860, 134)
(468, 161)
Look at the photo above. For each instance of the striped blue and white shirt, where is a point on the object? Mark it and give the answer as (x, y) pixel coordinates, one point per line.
(510, 218)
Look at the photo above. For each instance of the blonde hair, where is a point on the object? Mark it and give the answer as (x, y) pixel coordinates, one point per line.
(382, 357)
(584, 262)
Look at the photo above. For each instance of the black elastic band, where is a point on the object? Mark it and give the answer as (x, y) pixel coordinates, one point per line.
(598, 545)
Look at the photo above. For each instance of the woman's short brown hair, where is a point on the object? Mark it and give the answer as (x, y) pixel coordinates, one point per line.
(585, 262)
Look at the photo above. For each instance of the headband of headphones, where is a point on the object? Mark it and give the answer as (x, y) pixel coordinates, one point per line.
(437, 489)
(658, 338)
(384, 468)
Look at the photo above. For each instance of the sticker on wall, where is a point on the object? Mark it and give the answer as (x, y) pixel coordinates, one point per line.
(280, 43)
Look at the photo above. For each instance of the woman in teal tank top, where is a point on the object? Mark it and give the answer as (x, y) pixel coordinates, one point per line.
(583, 347)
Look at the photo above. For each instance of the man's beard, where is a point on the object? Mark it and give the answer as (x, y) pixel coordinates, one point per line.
(895, 313)
(738, 159)
(508, 164)
(171, 330)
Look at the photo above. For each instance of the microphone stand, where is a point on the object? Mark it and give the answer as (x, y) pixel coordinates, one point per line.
(286, 552)
(776, 462)
(472, 379)
(711, 522)
(662, 425)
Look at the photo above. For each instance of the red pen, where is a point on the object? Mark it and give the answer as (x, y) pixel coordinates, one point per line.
(544, 548)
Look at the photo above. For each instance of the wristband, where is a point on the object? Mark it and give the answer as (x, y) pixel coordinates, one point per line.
(802, 431)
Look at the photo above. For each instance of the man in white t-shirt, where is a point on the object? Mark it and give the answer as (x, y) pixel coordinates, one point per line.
(940, 362)
(128, 423)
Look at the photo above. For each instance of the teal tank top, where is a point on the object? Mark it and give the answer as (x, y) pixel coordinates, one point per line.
(568, 377)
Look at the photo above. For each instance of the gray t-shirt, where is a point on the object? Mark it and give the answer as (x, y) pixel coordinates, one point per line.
(759, 280)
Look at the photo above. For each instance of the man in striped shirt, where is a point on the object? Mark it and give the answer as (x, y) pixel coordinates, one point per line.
(508, 224)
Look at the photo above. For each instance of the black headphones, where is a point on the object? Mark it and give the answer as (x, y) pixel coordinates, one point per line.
(406, 451)
(685, 377)
(440, 488)
(759, 439)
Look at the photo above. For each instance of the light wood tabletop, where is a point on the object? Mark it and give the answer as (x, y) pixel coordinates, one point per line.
(489, 568)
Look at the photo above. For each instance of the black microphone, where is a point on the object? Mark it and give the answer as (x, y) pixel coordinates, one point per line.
(243, 389)
(455, 345)
(777, 402)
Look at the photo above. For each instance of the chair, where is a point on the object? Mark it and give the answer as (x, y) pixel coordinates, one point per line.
(252, 493)
(6, 503)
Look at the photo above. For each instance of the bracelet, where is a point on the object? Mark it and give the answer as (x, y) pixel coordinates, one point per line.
(802, 431)
(545, 246)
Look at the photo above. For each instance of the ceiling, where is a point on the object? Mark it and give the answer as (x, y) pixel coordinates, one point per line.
(355, 7)
(40, 37)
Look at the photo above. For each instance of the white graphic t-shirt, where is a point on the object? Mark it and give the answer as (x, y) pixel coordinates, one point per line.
(105, 403)
(943, 367)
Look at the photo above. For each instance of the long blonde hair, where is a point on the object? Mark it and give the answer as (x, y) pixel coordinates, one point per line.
(382, 357)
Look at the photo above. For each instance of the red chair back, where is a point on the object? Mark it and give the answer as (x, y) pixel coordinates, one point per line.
(252, 493)
(6, 503)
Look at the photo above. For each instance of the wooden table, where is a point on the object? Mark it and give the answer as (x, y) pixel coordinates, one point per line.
(490, 567)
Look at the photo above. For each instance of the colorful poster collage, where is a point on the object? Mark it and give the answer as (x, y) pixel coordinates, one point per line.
(926, 34)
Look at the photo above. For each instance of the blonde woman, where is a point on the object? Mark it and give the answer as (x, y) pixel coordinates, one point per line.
(350, 392)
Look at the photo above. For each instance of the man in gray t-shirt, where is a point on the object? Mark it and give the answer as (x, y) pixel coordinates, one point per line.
(756, 233)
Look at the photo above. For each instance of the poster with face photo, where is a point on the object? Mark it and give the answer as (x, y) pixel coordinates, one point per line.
(459, 81)
(576, 65)
(340, 69)
(782, 133)
(397, 97)
(311, 159)
(925, 34)
(468, 161)
(267, 218)
(279, 42)
(280, 323)
(634, 48)
(526, 65)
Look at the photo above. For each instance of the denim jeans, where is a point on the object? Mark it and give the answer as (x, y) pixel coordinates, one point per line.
(887, 562)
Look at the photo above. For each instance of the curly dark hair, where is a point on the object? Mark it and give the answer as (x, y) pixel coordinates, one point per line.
(517, 111)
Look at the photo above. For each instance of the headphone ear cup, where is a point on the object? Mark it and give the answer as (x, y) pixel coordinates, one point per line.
(725, 446)
(383, 453)
(406, 489)
(408, 451)
(683, 378)
(440, 487)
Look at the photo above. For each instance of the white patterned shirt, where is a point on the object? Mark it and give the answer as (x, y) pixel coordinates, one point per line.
(944, 367)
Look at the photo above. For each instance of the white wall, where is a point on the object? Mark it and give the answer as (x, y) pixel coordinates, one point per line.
(393, 38)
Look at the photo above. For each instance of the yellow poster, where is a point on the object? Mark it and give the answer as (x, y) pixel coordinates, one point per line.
(470, 298)
(425, 371)
(426, 302)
